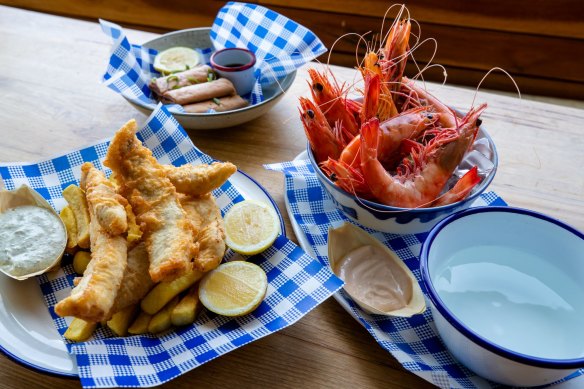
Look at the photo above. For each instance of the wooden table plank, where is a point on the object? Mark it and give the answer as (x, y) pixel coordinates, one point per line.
(50, 69)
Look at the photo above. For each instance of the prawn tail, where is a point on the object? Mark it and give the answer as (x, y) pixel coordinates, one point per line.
(460, 190)
(350, 154)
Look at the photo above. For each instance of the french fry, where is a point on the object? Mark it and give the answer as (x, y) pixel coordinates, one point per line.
(79, 330)
(140, 324)
(188, 308)
(161, 321)
(76, 199)
(165, 291)
(80, 261)
(68, 218)
(134, 232)
(121, 320)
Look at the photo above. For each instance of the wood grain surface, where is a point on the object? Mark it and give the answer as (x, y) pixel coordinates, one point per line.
(52, 102)
(540, 43)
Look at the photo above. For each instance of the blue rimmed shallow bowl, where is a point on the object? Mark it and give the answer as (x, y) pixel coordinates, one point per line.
(199, 38)
(401, 220)
(506, 293)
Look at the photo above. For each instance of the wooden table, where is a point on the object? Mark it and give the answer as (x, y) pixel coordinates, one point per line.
(52, 101)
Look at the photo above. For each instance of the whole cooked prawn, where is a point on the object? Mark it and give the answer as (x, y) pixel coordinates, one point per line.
(421, 178)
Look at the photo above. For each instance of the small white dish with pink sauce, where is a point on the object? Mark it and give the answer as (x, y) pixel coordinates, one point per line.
(374, 276)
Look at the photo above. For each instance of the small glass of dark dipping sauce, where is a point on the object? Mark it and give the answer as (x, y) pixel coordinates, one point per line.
(237, 65)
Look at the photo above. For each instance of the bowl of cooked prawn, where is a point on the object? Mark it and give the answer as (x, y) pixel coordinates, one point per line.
(402, 172)
(398, 159)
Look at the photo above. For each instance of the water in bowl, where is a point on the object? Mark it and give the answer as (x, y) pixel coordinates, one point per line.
(515, 299)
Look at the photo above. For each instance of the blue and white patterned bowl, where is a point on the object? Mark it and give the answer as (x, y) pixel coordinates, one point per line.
(401, 220)
(505, 291)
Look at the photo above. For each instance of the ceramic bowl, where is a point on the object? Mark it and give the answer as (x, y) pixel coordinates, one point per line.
(506, 290)
(396, 220)
(199, 37)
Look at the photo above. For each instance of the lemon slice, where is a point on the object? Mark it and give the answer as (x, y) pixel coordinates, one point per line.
(176, 59)
(251, 227)
(234, 288)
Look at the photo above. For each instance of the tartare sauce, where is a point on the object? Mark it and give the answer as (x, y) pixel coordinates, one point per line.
(31, 239)
(372, 277)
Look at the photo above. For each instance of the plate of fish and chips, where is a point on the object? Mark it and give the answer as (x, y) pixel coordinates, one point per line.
(27, 332)
(33, 335)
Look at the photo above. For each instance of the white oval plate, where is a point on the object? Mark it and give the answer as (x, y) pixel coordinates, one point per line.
(27, 333)
(575, 383)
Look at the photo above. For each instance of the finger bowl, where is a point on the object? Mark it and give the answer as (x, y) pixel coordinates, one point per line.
(505, 287)
(199, 38)
(397, 220)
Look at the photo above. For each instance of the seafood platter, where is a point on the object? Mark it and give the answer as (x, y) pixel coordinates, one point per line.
(161, 258)
(393, 163)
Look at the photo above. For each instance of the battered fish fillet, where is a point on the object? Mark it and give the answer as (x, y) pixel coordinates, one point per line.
(104, 202)
(206, 217)
(136, 282)
(166, 230)
(196, 180)
(93, 298)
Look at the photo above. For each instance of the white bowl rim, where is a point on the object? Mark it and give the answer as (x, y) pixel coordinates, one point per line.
(388, 208)
(432, 294)
(278, 94)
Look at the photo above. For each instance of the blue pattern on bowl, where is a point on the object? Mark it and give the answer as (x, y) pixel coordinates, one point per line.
(394, 219)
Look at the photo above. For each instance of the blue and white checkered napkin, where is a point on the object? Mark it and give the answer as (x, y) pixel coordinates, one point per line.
(297, 282)
(280, 45)
(414, 342)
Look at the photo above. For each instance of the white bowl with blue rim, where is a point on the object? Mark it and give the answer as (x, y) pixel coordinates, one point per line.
(397, 220)
(506, 291)
(199, 38)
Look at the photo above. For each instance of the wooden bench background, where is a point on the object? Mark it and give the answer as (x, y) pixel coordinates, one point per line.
(540, 42)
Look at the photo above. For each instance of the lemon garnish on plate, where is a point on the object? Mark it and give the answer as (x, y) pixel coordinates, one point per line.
(233, 288)
(176, 59)
(251, 227)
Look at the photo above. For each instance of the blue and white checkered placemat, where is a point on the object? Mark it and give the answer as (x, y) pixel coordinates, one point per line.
(414, 342)
(297, 282)
(281, 46)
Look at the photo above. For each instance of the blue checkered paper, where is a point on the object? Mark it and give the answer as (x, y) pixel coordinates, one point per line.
(280, 45)
(414, 341)
(297, 282)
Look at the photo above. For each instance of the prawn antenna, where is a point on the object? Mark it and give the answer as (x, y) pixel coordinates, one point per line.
(489, 72)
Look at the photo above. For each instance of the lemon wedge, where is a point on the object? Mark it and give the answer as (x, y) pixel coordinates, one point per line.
(233, 288)
(176, 59)
(251, 227)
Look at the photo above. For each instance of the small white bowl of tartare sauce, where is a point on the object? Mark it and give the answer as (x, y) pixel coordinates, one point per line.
(32, 235)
